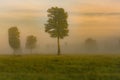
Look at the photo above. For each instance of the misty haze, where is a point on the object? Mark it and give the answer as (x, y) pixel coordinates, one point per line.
(84, 22)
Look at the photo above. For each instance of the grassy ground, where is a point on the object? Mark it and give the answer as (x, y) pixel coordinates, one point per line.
(39, 67)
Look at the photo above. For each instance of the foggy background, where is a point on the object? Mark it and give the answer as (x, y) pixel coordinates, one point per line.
(94, 19)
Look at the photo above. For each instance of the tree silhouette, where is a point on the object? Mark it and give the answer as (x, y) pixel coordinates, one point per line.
(14, 40)
(91, 45)
(57, 25)
(31, 42)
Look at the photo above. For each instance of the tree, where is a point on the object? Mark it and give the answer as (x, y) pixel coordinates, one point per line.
(91, 45)
(14, 38)
(31, 42)
(57, 25)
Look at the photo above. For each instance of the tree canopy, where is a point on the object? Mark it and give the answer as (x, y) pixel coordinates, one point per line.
(31, 42)
(14, 38)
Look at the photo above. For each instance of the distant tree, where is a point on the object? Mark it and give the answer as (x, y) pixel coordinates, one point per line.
(14, 38)
(57, 25)
(31, 42)
(91, 45)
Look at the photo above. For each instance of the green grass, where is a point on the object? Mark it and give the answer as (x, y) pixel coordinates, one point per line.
(50, 67)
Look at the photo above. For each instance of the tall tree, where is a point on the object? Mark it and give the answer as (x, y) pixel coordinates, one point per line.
(31, 42)
(14, 38)
(57, 25)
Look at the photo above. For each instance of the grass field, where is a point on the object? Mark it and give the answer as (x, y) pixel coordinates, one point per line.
(51, 67)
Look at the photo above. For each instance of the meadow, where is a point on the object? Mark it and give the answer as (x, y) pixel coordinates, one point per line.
(64, 67)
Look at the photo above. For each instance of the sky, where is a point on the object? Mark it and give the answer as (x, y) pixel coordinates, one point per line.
(97, 19)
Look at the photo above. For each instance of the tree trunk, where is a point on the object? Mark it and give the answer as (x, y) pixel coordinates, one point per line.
(58, 43)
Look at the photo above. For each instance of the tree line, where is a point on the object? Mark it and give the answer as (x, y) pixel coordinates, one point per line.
(14, 40)
(56, 26)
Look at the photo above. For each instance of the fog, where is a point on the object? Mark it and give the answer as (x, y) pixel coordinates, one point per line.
(73, 44)
(98, 20)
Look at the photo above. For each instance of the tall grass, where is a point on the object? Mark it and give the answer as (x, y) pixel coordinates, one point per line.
(79, 67)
